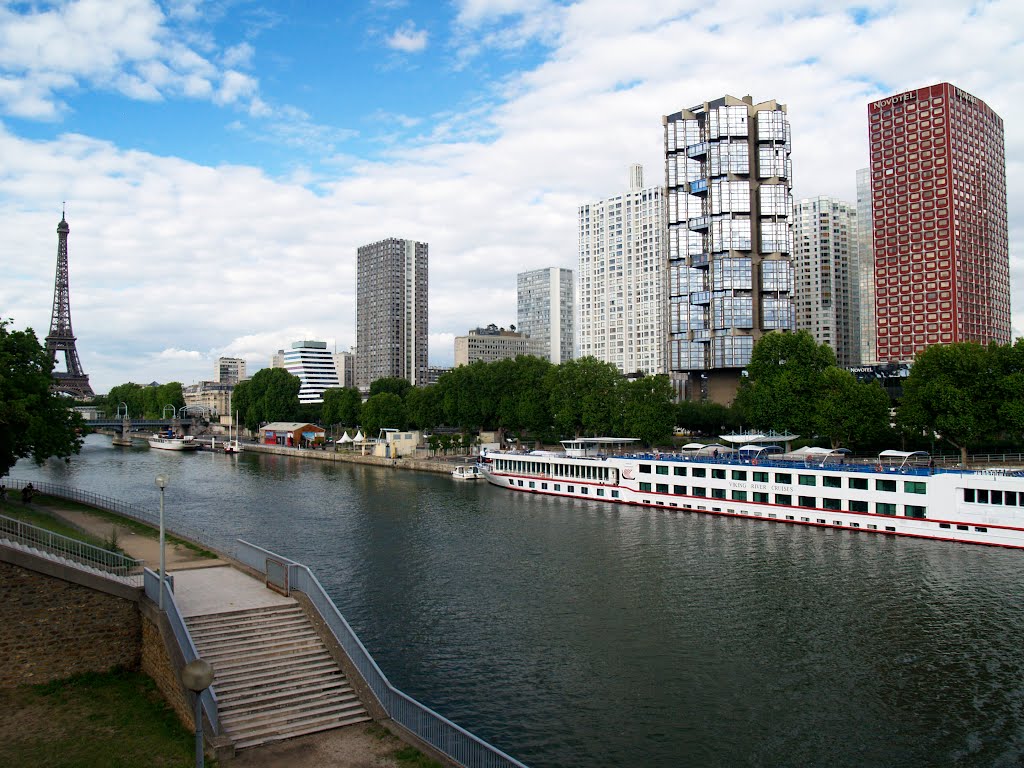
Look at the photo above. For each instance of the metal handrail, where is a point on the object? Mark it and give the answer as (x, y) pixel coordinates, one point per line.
(67, 548)
(452, 740)
(151, 582)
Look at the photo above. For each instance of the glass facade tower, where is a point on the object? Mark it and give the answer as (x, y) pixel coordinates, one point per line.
(546, 311)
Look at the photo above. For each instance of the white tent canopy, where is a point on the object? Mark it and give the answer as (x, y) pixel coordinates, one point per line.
(345, 438)
(359, 437)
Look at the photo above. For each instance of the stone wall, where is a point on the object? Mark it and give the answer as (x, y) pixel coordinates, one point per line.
(51, 628)
(158, 665)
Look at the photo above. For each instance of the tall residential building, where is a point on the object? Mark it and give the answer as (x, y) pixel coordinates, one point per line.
(277, 359)
(230, 370)
(547, 311)
(620, 295)
(865, 271)
(314, 365)
(345, 363)
(728, 179)
(938, 203)
(825, 293)
(493, 343)
(391, 312)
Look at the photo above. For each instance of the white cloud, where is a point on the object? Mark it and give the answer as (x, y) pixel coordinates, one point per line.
(408, 39)
(240, 55)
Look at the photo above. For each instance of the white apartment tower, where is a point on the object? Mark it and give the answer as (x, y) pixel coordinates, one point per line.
(547, 310)
(391, 312)
(824, 264)
(314, 365)
(728, 182)
(620, 293)
(230, 370)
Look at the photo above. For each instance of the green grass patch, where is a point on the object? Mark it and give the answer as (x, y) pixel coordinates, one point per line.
(114, 720)
(42, 518)
(404, 755)
(136, 526)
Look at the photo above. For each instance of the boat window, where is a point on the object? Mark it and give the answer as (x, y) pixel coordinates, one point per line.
(819, 520)
(615, 494)
(860, 483)
(718, 474)
(661, 469)
(913, 486)
(831, 481)
(890, 528)
(661, 488)
(739, 495)
(860, 506)
(760, 477)
(679, 471)
(808, 480)
(1010, 498)
(996, 497)
(718, 493)
(837, 522)
(980, 529)
(697, 491)
(789, 517)
(943, 525)
(784, 478)
(570, 488)
(808, 501)
(645, 468)
(558, 487)
(679, 490)
(645, 486)
(912, 510)
(761, 497)
(700, 472)
(739, 474)
(968, 494)
(600, 491)
(982, 496)
(543, 486)
(885, 509)
(783, 498)
(584, 490)
(831, 504)
(772, 514)
(855, 525)
(963, 528)
(533, 484)
(885, 485)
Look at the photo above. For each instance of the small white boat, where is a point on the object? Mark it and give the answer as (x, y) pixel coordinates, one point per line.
(170, 443)
(467, 472)
(233, 445)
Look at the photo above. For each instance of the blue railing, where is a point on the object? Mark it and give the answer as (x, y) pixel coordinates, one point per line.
(442, 734)
(151, 582)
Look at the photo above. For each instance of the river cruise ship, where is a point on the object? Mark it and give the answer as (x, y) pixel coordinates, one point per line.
(899, 493)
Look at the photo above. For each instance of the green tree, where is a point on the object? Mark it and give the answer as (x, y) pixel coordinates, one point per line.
(33, 421)
(1008, 361)
(585, 396)
(950, 393)
(383, 410)
(341, 406)
(243, 402)
(279, 394)
(423, 407)
(131, 395)
(784, 382)
(522, 400)
(707, 418)
(649, 413)
(395, 385)
(849, 412)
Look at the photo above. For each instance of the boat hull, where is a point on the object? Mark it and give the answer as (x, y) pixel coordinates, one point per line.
(173, 443)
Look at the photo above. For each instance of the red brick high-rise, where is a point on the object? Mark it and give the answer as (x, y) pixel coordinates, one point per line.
(938, 204)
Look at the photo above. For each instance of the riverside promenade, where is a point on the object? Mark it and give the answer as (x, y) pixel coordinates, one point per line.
(205, 584)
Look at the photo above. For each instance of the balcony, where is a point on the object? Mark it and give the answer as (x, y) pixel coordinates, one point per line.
(699, 187)
(700, 260)
(697, 151)
(698, 223)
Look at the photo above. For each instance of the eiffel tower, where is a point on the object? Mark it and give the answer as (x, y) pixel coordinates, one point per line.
(61, 338)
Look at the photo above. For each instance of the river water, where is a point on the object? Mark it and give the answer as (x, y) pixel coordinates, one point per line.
(579, 634)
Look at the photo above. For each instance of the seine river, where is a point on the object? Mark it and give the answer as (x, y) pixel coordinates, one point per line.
(580, 634)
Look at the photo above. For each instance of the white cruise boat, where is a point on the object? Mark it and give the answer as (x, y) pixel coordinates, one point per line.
(171, 443)
(899, 494)
(467, 472)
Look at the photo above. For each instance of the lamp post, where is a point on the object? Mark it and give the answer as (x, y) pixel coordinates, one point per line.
(161, 483)
(197, 676)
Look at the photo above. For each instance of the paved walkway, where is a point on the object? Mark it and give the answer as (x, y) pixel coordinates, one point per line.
(221, 589)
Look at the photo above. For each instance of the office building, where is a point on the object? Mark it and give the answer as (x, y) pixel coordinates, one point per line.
(938, 203)
(314, 365)
(620, 290)
(230, 370)
(391, 312)
(728, 182)
(825, 285)
(345, 364)
(493, 343)
(547, 311)
(213, 396)
(865, 271)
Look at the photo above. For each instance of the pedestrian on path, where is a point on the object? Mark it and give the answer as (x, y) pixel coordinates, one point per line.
(26, 494)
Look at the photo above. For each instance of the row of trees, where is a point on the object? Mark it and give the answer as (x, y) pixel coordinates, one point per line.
(142, 402)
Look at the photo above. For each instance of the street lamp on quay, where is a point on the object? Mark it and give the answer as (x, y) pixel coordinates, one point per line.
(161, 483)
(197, 676)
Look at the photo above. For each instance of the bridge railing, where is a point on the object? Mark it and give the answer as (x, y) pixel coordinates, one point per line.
(441, 733)
(151, 583)
(67, 548)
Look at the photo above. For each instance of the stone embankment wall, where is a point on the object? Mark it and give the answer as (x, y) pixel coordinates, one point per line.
(420, 465)
(51, 628)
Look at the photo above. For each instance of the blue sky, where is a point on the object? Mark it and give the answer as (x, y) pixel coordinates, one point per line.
(221, 161)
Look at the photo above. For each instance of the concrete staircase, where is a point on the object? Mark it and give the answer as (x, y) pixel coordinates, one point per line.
(273, 676)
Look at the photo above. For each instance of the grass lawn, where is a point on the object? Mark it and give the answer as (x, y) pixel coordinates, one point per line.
(43, 519)
(113, 720)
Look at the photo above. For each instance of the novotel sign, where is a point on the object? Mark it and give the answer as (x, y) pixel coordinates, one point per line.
(893, 100)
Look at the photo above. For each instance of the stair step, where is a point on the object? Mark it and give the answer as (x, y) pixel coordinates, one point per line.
(283, 717)
(245, 641)
(249, 702)
(245, 614)
(304, 730)
(232, 668)
(228, 682)
(263, 651)
(214, 631)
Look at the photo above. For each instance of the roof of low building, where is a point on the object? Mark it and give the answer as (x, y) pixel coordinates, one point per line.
(288, 426)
